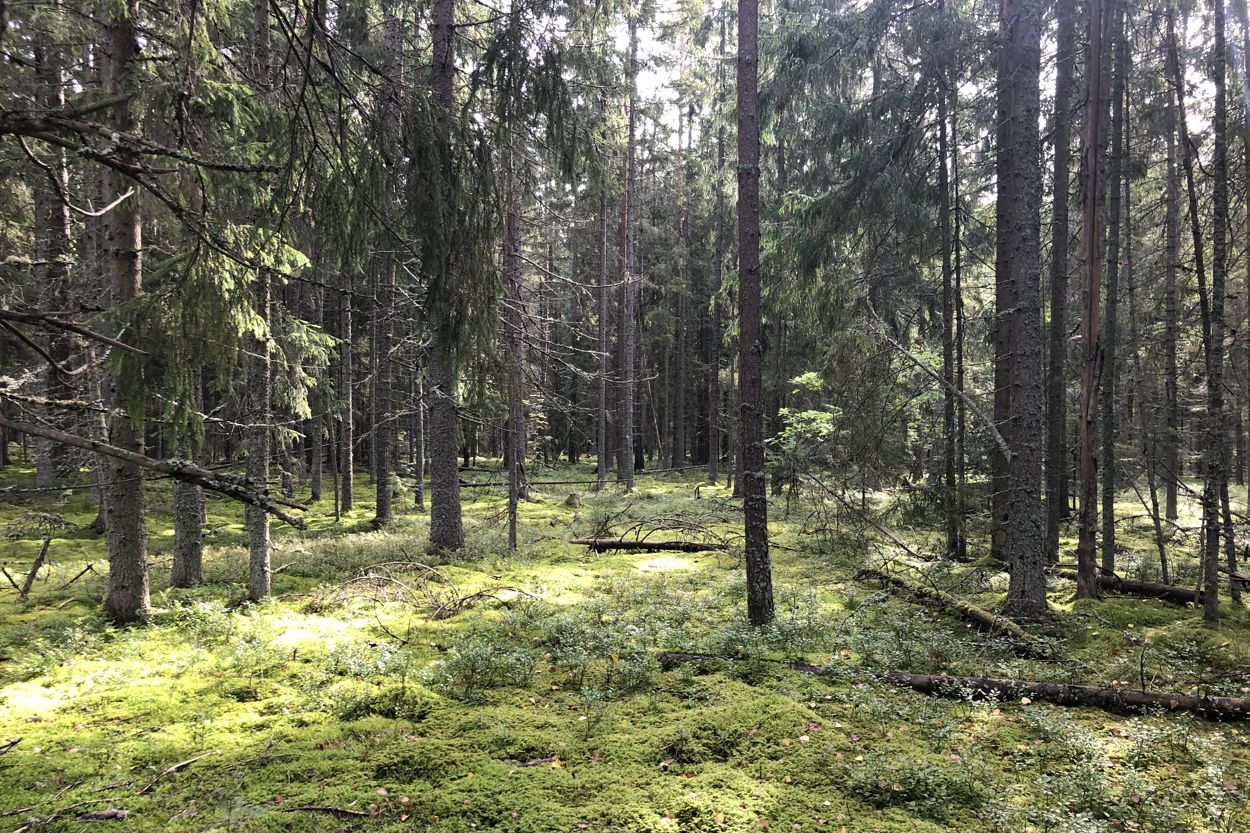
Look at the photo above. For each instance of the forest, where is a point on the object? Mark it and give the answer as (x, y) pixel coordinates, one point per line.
(646, 416)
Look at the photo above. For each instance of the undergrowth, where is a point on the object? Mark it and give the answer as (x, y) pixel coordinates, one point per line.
(541, 706)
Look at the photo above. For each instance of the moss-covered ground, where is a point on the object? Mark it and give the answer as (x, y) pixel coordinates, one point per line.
(403, 702)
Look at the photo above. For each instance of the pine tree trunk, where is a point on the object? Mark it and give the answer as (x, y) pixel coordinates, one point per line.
(1087, 575)
(1057, 382)
(128, 597)
(629, 311)
(1110, 370)
(950, 497)
(751, 418)
(1018, 228)
(515, 441)
(1170, 453)
(605, 360)
(57, 463)
(1216, 489)
(960, 409)
(718, 274)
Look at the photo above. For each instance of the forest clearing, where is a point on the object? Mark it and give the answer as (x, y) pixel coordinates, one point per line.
(672, 415)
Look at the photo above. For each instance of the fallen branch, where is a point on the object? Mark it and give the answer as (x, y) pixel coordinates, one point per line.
(9, 744)
(1023, 641)
(1145, 589)
(239, 488)
(90, 568)
(1120, 700)
(30, 577)
(170, 770)
(607, 544)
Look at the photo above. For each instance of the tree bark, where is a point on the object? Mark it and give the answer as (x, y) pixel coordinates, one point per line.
(1087, 584)
(1110, 370)
(1057, 382)
(1018, 230)
(1216, 488)
(760, 609)
(446, 524)
(605, 360)
(716, 326)
(629, 310)
(951, 497)
(128, 597)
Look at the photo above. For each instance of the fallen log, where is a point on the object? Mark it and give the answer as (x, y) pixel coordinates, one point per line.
(1023, 641)
(1145, 589)
(1119, 700)
(607, 544)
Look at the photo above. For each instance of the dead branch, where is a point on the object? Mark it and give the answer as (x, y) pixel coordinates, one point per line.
(608, 544)
(30, 577)
(1020, 639)
(1120, 700)
(232, 486)
(170, 770)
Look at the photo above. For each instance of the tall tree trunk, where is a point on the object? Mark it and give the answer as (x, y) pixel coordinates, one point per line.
(384, 321)
(605, 360)
(1018, 229)
(514, 327)
(751, 346)
(127, 598)
(1087, 573)
(961, 553)
(57, 463)
(1170, 453)
(950, 493)
(718, 274)
(1216, 489)
(629, 311)
(446, 524)
(1057, 382)
(1212, 348)
(1110, 370)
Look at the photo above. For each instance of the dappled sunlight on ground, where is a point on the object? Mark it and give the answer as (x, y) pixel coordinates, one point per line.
(492, 690)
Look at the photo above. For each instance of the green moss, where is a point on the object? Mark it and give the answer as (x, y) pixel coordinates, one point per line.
(543, 710)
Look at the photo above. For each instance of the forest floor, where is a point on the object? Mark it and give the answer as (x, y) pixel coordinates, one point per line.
(373, 694)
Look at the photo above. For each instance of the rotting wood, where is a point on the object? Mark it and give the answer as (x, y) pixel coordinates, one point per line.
(1119, 700)
(1145, 589)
